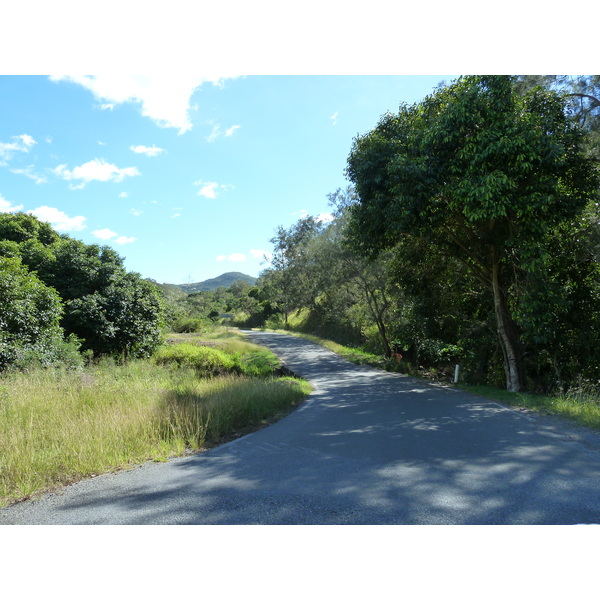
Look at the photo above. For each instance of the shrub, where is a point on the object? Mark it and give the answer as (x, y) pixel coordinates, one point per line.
(205, 360)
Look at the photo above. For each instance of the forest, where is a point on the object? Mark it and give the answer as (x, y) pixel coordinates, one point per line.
(469, 234)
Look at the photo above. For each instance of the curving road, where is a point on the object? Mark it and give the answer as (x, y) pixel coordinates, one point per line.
(368, 447)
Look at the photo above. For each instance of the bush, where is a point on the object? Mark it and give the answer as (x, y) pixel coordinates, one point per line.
(205, 360)
(191, 325)
(29, 317)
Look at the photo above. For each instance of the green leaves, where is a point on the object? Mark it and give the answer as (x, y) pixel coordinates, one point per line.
(483, 173)
(110, 310)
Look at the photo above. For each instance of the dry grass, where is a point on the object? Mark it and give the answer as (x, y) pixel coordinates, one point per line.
(59, 427)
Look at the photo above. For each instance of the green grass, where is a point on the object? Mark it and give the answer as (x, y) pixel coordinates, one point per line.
(354, 355)
(577, 406)
(57, 427)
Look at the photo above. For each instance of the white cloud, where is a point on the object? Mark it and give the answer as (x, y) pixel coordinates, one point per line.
(28, 172)
(22, 143)
(164, 98)
(175, 215)
(124, 240)
(7, 207)
(209, 189)
(147, 150)
(216, 132)
(235, 257)
(94, 170)
(334, 117)
(262, 254)
(58, 219)
(123, 195)
(136, 212)
(325, 218)
(104, 234)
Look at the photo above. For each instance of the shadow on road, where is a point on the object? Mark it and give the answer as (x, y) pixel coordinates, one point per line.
(368, 447)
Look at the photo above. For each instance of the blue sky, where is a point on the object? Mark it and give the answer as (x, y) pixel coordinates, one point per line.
(186, 177)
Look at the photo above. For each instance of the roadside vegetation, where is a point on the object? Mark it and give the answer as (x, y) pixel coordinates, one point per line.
(579, 405)
(58, 426)
(470, 235)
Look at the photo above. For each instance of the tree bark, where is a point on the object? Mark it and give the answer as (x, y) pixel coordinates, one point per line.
(507, 331)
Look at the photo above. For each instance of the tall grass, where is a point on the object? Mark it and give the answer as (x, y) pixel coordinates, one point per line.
(58, 427)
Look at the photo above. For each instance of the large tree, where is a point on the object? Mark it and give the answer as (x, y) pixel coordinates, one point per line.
(480, 172)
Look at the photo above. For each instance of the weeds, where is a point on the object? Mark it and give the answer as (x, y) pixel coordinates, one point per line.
(59, 426)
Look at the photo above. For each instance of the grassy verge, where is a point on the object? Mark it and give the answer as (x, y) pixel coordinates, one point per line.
(57, 427)
(581, 407)
(354, 355)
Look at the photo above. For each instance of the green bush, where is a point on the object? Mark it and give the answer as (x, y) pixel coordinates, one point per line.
(191, 325)
(205, 360)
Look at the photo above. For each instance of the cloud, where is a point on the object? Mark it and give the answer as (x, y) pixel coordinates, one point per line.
(104, 234)
(124, 240)
(7, 207)
(148, 151)
(163, 98)
(28, 172)
(58, 219)
(235, 257)
(123, 195)
(216, 132)
(22, 143)
(334, 117)
(136, 212)
(325, 218)
(209, 189)
(107, 234)
(262, 254)
(94, 170)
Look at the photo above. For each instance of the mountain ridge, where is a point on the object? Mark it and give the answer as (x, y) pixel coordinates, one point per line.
(223, 280)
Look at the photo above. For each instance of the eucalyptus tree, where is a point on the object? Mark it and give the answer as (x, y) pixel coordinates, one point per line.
(482, 173)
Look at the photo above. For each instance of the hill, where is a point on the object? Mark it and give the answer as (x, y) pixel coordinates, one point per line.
(224, 280)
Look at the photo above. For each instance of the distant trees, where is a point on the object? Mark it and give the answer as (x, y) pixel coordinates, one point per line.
(108, 309)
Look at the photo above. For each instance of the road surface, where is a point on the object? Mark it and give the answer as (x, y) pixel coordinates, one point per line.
(367, 447)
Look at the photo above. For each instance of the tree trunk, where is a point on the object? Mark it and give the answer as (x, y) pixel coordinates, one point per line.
(507, 332)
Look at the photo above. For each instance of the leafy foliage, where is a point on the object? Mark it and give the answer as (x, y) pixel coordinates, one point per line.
(109, 310)
(481, 173)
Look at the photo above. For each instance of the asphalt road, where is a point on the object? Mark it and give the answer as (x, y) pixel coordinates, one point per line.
(367, 447)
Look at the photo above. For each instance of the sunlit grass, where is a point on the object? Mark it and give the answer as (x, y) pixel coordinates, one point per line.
(59, 427)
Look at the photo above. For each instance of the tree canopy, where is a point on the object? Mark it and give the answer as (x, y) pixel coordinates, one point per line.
(108, 309)
(483, 174)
